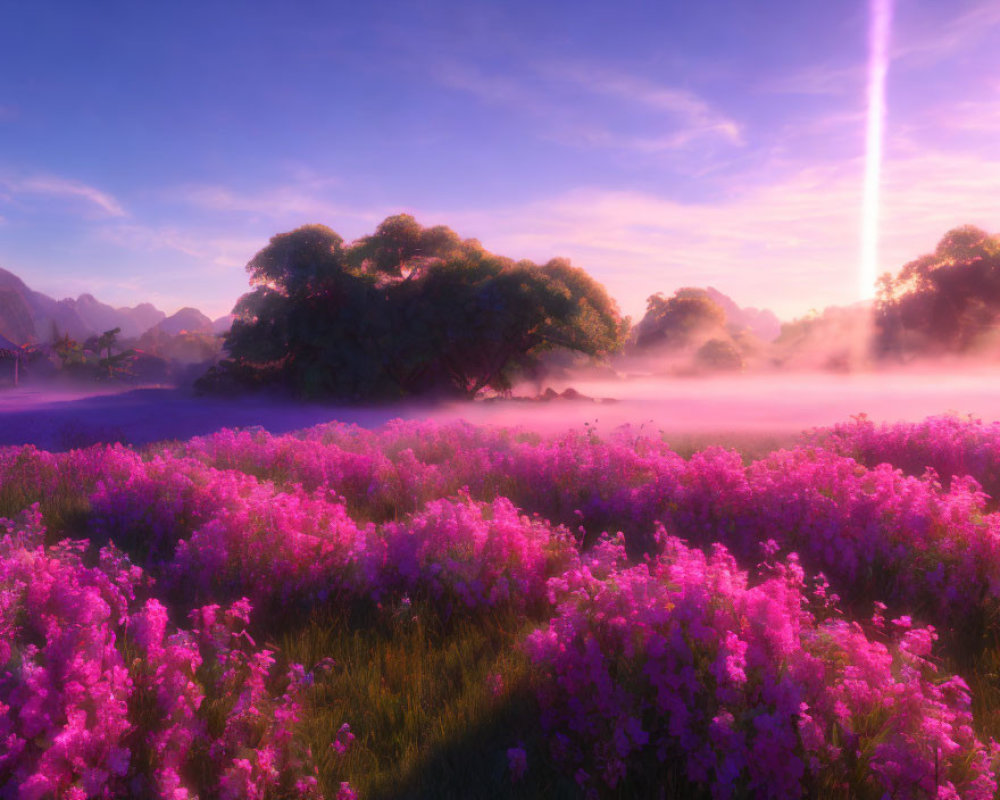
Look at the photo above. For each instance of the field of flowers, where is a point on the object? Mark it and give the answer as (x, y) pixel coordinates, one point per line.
(442, 610)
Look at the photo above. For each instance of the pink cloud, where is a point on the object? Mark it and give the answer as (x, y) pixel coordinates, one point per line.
(931, 43)
(789, 245)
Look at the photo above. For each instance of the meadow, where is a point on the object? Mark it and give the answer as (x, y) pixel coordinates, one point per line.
(441, 609)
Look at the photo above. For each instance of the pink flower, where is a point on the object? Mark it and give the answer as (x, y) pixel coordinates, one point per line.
(342, 743)
(346, 792)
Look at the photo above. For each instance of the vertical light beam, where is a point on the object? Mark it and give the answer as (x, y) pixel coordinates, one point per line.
(880, 22)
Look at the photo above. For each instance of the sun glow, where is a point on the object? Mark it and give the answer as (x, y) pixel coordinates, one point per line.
(878, 68)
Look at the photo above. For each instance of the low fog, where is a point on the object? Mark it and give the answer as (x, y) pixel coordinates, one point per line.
(696, 362)
(58, 418)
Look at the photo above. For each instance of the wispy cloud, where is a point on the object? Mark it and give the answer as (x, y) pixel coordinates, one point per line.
(788, 245)
(220, 250)
(490, 88)
(278, 202)
(823, 80)
(939, 42)
(549, 91)
(966, 119)
(695, 116)
(223, 226)
(52, 186)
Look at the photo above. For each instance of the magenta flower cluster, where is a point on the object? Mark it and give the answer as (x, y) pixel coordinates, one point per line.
(100, 696)
(949, 445)
(210, 533)
(682, 660)
(755, 680)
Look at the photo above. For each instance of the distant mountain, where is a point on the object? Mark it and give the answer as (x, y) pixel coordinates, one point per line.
(223, 324)
(101, 317)
(187, 319)
(17, 321)
(27, 316)
(761, 322)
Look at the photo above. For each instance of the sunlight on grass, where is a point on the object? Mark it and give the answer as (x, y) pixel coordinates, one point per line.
(450, 637)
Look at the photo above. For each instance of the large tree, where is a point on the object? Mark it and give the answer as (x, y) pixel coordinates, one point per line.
(405, 311)
(947, 301)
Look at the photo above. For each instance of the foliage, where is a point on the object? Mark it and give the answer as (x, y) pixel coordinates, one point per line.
(754, 692)
(70, 351)
(94, 359)
(186, 347)
(947, 301)
(719, 355)
(687, 318)
(402, 312)
(837, 339)
(101, 697)
(117, 365)
(480, 652)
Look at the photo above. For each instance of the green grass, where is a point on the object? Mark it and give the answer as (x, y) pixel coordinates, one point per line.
(417, 689)
(418, 694)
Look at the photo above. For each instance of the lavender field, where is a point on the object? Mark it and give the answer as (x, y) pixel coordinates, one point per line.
(440, 609)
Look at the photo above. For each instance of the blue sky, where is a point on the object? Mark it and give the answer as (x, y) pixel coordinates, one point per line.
(147, 151)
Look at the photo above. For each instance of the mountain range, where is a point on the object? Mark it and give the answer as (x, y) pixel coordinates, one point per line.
(27, 316)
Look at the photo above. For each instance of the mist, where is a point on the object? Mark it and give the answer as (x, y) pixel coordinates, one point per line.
(775, 401)
(778, 403)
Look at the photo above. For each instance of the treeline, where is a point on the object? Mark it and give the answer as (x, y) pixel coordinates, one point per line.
(945, 303)
(154, 357)
(413, 311)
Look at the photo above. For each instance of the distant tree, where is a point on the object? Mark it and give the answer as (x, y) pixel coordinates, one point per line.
(106, 341)
(837, 339)
(113, 365)
(719, 355)
(186, 347)
(688, 317)
(405, 311)
(69, 351)
(947, 301)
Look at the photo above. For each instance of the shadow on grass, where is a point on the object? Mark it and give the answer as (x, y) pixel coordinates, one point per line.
(474, 766)
(435, 707)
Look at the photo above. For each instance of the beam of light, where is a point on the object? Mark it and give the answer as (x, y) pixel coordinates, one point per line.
(880, 18)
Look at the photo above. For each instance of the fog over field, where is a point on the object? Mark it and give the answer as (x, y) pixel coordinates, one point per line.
(62, 418)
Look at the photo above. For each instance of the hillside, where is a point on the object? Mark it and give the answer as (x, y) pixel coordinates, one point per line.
(187, 319)
(30, 317)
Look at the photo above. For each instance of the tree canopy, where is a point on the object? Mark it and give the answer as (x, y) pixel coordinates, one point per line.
(689, 317)
(405, 311)
(947, 301)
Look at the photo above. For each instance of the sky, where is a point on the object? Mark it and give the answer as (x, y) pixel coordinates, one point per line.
(147, 151)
